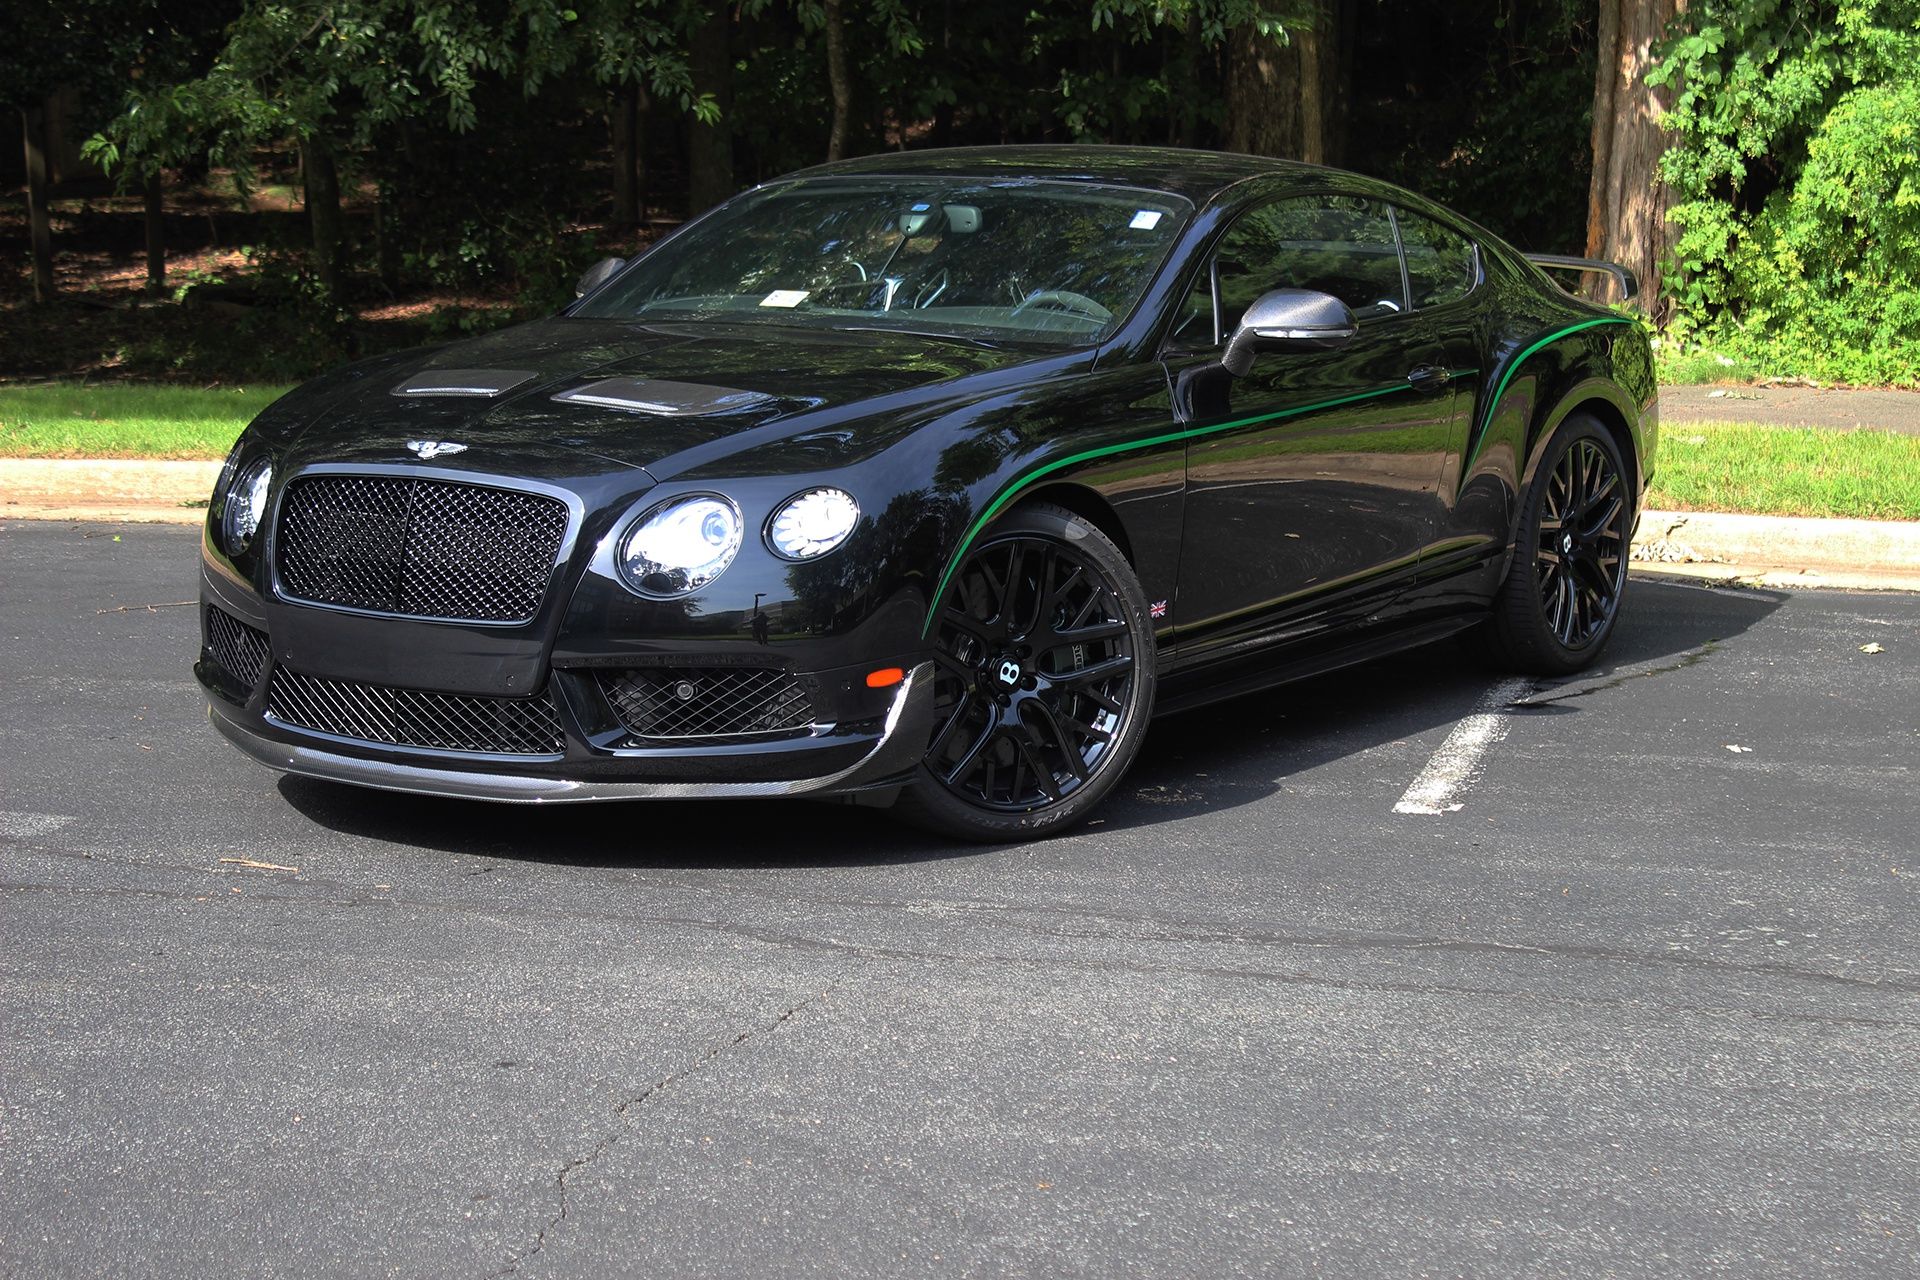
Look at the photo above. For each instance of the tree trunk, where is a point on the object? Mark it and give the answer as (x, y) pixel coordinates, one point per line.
(154, 221)
(1627, 202)
(39, 218)
(1288, 100)
(323, 210)
(837, 80)
(1343, 37)
(1194, 52)
(710, 146)
(386, 253)
(624, 119)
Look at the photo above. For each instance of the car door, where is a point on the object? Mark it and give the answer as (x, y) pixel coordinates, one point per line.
(1444, 274)
(1312, 480)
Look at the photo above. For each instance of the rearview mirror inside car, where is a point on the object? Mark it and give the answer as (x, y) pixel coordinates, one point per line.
(596, 275)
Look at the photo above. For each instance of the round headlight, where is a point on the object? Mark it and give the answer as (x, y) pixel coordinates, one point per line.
(812, 523)
(245, 504)
(680, 545)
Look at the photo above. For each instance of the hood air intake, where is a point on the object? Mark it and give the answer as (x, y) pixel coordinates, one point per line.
(663, 398)
(463, 382)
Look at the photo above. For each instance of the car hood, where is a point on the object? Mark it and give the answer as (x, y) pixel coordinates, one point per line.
(727, 388)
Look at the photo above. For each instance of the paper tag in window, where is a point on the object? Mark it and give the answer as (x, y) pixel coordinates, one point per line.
(785, 298)
(1145, 220)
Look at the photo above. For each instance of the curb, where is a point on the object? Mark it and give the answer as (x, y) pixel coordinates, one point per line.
(1773, 551)
(1851, 546)
(108, 490)
(1780, 551)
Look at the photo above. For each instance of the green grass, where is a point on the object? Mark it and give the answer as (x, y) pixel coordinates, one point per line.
(125, 420)
(1695, 367)
(1787, 471)
(1734, 355)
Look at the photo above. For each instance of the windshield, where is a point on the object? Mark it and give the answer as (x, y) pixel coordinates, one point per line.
(1055, 262)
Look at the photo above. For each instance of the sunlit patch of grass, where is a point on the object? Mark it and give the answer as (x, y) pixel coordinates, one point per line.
(125, 420)
(1787, 471)
(1698, 367)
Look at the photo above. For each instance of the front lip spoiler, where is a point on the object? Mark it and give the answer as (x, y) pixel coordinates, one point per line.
(903, 740)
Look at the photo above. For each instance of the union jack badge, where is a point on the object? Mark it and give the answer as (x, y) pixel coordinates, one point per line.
(1158, 609)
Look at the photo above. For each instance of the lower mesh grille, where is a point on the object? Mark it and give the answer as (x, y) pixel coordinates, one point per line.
(241, 649)
(706, 702)
(416, 718)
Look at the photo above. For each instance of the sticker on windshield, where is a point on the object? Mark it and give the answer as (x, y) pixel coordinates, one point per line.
(785, 298)
(1145, 220)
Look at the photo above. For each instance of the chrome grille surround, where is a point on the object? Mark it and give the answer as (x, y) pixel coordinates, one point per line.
(706, 702)
(236, 646)
(418, 547)
(416, 717)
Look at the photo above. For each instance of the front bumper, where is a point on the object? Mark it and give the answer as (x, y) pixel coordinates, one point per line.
(890, 753)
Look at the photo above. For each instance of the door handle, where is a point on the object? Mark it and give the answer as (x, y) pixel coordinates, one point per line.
(1428, 377)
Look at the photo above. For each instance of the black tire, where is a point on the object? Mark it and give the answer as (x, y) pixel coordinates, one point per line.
(1561, 598)
(1018, 754)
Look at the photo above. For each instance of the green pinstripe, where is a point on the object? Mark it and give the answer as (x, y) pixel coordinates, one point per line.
(1106, 451)
(1514, 364)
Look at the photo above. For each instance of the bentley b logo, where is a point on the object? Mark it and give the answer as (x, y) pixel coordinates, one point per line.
(1009, 672)
(435, 448)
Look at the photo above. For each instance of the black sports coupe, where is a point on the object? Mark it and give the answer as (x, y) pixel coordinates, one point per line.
(926, 479)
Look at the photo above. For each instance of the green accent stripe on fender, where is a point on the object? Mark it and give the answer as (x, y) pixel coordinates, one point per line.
(1106, 451)
(1513, 366)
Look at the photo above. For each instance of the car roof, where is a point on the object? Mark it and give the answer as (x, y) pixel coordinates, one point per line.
(1197, 175)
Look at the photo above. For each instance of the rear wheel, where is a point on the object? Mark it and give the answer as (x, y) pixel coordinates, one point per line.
(1044, 681)
(1557, 608)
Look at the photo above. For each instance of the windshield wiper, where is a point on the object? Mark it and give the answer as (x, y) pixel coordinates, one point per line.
(964, 338)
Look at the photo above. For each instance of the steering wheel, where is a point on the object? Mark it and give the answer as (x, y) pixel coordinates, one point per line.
(1078, 304)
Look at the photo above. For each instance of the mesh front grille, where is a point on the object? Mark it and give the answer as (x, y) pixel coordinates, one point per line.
(415, 718)
(421, 548)
(706, 702)
(241, 649)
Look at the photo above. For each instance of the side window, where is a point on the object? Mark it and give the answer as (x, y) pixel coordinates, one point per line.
(1342, 245)
(1193, 326)
(1441, 264)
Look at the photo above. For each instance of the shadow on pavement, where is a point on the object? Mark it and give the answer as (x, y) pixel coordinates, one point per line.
(1200, 762)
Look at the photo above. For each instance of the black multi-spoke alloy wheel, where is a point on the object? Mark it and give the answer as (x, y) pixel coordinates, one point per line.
(1044, 681)
(1562, 595)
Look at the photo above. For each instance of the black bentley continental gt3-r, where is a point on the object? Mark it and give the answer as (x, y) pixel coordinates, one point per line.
(927, 479)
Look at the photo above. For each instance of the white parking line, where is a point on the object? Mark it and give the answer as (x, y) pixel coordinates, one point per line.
(1457, 763)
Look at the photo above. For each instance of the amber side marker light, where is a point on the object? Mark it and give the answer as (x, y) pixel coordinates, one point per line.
(885, 677)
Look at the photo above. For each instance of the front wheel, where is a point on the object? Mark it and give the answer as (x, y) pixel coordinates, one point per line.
(1044, 681)
(1561, 598)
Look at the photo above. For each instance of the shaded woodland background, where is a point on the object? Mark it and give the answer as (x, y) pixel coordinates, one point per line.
(230, 189)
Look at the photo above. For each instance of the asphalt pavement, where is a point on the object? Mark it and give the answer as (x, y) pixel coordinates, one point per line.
(1642, 998)
(1841, 408)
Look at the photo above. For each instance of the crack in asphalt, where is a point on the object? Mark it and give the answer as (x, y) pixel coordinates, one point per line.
(1003, 915)
(626, 1107)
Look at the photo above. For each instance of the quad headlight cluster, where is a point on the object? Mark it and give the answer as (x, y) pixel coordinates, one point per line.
(243, 500)
(678, 546)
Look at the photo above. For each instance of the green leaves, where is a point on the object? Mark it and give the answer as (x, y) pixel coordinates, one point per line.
(1797, 173)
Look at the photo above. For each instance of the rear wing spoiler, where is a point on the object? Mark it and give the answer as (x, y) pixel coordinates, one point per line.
(1629, 284)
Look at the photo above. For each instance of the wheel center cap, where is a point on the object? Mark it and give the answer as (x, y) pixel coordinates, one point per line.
(1566, 544)
(1008, 672)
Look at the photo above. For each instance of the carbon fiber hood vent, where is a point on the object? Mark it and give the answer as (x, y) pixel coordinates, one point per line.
(663, 398)
(485, 383)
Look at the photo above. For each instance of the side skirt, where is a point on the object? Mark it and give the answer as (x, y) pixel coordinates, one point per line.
(1204, 686)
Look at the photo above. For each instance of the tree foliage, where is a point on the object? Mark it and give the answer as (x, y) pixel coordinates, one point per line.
(1797, 167)
(484, 129)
